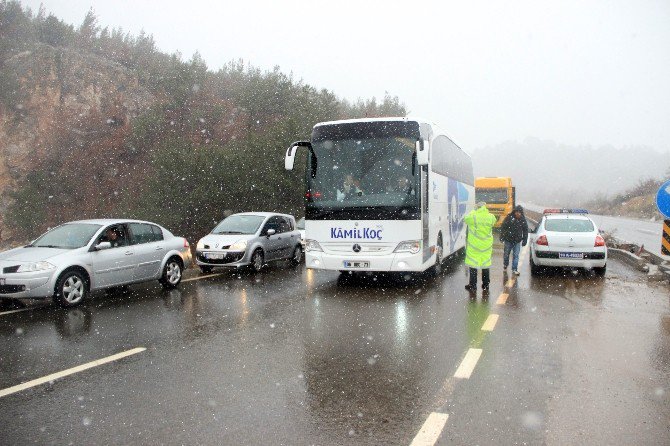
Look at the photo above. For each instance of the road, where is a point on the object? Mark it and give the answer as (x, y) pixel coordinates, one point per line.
(292, 356)
(630, 230)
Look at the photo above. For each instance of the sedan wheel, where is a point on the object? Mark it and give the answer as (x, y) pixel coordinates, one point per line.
(257, 260)
(171, 274)
(297, 256)
(71, 289)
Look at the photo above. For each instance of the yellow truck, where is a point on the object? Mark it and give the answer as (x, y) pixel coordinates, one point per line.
(499, 195)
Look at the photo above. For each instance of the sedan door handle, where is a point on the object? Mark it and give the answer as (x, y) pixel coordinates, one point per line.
(158, 248)
(129, 253)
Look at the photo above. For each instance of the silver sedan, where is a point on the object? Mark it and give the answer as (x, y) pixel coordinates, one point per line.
(73, 259)
(250, 239)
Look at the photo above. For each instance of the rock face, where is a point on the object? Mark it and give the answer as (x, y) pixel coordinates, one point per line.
(72, 111)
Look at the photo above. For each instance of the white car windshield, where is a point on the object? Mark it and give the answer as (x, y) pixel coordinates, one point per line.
(568, 225)
(68, 236)
(239, 224)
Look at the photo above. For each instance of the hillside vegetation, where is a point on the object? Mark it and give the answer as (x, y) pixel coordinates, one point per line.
(95, 122)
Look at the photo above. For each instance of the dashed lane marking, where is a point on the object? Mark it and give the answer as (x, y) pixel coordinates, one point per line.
(431, 429)
(468, 364)
(502, 299)
(510, 283)
(490, 322)
(73, 370)
(202, 277)
(24, 309)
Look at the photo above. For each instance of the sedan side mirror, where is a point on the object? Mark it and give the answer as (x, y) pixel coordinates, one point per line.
(270, 232)
(102, 246)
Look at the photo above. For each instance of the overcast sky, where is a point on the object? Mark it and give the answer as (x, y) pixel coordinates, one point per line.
(576, 72)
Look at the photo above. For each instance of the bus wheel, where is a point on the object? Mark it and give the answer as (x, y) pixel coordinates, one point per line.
(436, 269)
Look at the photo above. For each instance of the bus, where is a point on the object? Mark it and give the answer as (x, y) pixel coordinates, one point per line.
(383, 194)
(499, 195)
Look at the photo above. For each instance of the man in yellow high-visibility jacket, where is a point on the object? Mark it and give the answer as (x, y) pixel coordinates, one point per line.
(479, 247)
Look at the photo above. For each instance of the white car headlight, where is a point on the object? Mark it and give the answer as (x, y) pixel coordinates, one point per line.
(411, 246)
(312, 245)
(239, 245)
(35, 266)
(201, 245)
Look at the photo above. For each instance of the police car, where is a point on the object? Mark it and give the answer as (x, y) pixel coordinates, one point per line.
(567, 238)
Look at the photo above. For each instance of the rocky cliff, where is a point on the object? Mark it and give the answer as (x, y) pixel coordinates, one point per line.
(71, 110)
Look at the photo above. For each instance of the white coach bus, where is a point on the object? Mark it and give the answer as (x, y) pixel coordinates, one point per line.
(386, 194)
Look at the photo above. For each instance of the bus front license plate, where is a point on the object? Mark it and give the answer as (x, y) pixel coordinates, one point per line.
(356, 264)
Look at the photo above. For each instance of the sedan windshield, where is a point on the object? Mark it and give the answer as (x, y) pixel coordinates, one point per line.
(239, 224)
(68, 236)
(568, 225)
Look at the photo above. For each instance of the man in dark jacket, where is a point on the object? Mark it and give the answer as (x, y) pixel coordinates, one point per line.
(514, 233)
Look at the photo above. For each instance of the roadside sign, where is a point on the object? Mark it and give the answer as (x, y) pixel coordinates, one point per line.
(663, 199)
(665, 238)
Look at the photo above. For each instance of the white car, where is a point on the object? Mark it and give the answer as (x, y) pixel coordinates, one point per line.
(567, 238)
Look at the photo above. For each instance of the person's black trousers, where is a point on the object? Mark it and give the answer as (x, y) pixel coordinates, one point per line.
(485, 277)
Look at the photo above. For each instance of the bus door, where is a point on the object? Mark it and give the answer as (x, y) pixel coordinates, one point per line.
(425, 194)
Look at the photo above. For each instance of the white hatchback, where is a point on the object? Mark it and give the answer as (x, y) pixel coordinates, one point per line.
(567, 238)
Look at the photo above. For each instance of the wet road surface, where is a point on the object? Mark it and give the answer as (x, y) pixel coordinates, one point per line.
(301, 357)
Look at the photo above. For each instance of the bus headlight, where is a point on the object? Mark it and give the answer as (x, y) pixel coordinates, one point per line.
(312, 245)
(411, 246)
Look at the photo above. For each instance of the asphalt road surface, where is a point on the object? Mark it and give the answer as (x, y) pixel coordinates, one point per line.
(292, 357)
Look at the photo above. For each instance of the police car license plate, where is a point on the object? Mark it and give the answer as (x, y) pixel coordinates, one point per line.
(214, 256)
(571, 255)
(356, 264)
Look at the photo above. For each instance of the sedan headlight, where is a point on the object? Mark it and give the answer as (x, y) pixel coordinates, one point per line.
(411, 246)
(35, 266)
(201, 245)
(239, 245)
(312, 245)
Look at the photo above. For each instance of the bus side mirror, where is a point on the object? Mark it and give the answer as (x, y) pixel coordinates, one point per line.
(290, 157)
(291, 151)
(422, 152)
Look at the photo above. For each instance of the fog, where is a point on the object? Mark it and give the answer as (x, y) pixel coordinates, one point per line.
(572, 72)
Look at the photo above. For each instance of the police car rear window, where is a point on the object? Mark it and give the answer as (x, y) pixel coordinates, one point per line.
(568, 225)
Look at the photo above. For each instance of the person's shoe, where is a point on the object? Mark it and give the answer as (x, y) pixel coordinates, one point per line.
(470, 288)
(516, 273)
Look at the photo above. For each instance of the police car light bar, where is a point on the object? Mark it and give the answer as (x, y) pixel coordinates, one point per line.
(565, 211)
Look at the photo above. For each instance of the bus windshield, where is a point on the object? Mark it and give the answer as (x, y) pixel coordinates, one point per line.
(492, 196)
(367, 166)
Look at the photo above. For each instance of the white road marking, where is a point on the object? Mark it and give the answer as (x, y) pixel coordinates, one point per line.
(202, 277)
(23, 309)
(468, 364)
(490, 322)
(73, 370)
(502, 299)
(431, 429)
